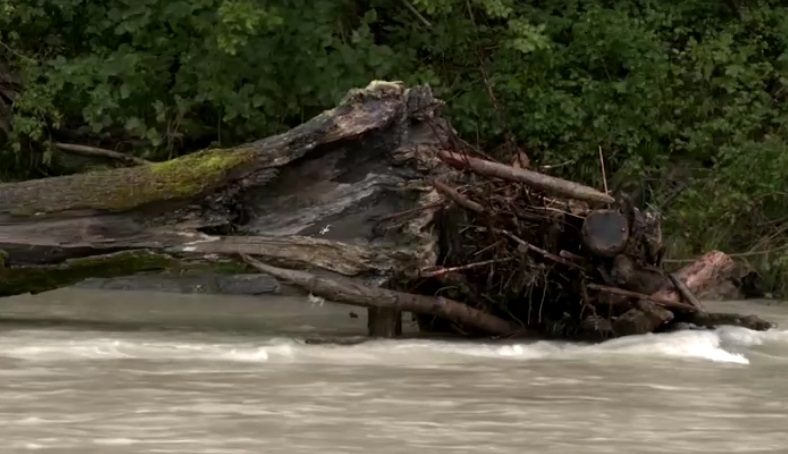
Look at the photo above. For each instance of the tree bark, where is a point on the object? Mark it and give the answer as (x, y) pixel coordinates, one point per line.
(537, 180)
(709, 271)
(319, 196)
(353, 292)
(85, 150)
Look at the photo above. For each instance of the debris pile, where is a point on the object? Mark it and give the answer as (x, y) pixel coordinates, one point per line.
(557, 258)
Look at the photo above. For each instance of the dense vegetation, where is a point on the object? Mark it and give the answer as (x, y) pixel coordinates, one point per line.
(686, 99)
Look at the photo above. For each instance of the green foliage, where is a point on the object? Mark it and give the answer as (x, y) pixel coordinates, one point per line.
(174, 74)
(686, 100)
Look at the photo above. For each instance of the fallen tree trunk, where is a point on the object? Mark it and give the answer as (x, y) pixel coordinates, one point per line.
(315, 196)
(318, 196)
(370, 204)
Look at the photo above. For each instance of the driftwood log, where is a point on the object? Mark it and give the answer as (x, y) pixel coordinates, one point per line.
(316, 195)
(371, 203)
(320, 196)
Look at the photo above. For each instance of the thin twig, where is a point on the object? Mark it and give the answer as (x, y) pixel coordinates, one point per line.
(417, 13)
(555, 166)
(541, 303)
(602, 164)
(14, 52)
(99, 152)
(441, 271)
(585, 298)
(570, 255)
(457, 197)
(530, 247)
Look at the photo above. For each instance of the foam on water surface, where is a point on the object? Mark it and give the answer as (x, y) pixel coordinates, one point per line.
(158, 374)
(726, 345)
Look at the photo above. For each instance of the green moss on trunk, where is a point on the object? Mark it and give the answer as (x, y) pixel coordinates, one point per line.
(191, 175)
(36, 279)
(126, 189)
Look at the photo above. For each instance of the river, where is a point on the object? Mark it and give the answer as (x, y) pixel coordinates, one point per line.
(87, 371)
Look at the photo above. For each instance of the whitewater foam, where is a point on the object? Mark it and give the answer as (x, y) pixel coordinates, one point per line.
(727, 345)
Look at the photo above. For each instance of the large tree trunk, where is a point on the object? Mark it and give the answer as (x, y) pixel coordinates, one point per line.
(343, 207)
(318, 196)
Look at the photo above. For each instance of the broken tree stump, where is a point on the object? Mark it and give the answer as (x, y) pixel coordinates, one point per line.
(316, 196)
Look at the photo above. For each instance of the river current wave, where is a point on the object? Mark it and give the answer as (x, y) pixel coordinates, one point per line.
(124, 373)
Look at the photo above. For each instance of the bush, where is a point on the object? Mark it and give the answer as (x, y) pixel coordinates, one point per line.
(686, 100)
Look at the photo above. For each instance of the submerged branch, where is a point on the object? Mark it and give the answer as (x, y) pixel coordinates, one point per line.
(351, 291)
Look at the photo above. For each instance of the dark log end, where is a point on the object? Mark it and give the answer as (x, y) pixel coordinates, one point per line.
(605, 232)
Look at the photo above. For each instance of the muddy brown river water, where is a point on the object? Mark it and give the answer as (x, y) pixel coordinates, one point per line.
(88, 371)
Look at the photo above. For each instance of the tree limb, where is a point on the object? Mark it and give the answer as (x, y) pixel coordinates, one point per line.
(350, 291)
(534, 179)
(85, 150)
